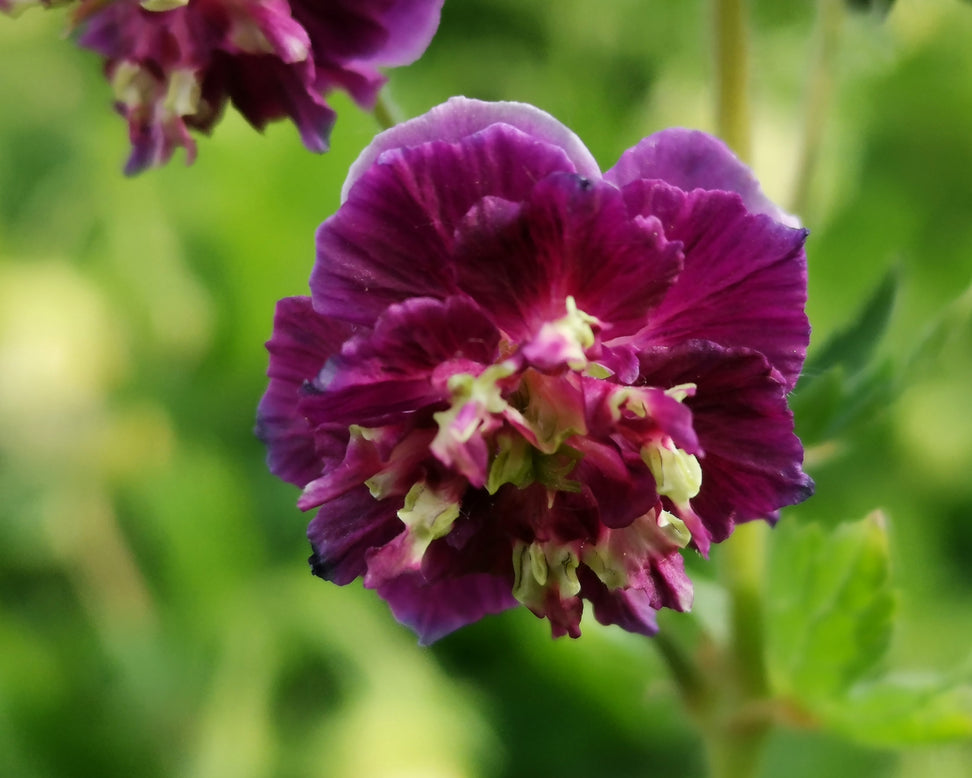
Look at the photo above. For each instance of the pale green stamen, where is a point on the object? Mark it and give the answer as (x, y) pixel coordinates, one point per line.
(553, 415)
(677, 473)
(428, 515)
(681, 391)
(129, 83)
(182, 97)
(578, 323)
(576, 328)
(612, 558)
(538, 568)
(162, 5)
(674, 529)
(512, 464)
(482, 390)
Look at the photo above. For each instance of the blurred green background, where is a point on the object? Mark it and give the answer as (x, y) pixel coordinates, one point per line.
(158, 617)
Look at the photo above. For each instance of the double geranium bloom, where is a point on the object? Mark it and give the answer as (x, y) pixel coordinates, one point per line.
(175, 63)
(518, 379)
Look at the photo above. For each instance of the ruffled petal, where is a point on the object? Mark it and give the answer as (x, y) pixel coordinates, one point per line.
(744, 280)
(345, 529)
(572, 237)
(752, 462)
(302, 342)
(410, 25)
(404, 364)
(643, 557)
(629, 609)
(433, 610)
(393, 237)
(459, 118)
(690, 159)
(617, 481)
(413, 23)
(380, 32)
(264, 88)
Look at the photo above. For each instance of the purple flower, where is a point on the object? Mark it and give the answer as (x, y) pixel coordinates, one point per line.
(518, 379)
(174, 64)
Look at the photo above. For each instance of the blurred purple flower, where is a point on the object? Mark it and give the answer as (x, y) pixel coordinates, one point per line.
(174, 64)
(518, 379)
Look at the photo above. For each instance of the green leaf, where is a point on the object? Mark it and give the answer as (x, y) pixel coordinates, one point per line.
(816, 403)
(899, 711)
(834, 403)
(853, 346)
(831, 610)
(842, 384)
(831, 607)
(941, 333)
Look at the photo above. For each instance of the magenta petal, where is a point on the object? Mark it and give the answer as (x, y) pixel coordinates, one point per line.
(411, 25)
(419, 335)
(618, 482)
(361, 461)
(433, 610)
(345, 529)
(393, 237)
(664, 415)
(630, 609)
(690, 159)
(744, 281)
(154, 140)
(264, 88)
(404, 364)
(302, 342)
(752, 463)
(663, 581)
(571, 237)
(381, 32)
(460, 118)
(288, 39)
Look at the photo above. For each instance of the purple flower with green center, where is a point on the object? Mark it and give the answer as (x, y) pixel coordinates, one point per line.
(518, 379)
(174, 64)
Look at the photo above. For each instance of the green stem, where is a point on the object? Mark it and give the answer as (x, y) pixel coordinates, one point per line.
(688, 677)
(386, 112)
(733, 721)
(743, 574)
(818, 97)
(736, 743)
(732, 74)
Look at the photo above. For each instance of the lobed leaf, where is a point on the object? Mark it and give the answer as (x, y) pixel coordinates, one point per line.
(831, 611)
(842, 382)
(853, 346)
(895, 712)
(831, 608)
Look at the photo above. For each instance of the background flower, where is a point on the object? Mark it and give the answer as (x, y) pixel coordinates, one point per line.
(174, 64)
(516, 379)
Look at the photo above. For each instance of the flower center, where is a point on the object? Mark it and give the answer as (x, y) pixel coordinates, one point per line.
(564, 341)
